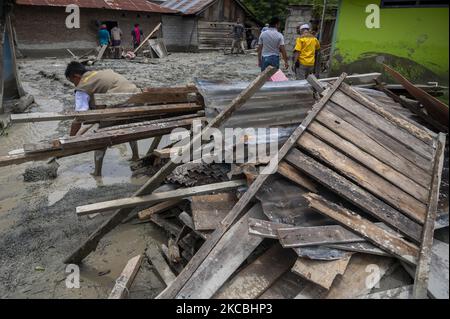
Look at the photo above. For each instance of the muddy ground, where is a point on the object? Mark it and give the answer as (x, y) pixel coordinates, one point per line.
(38, 226)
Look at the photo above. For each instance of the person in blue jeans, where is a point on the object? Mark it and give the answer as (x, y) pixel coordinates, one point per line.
(270, 46)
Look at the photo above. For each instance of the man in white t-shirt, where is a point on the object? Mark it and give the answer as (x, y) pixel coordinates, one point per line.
(271, 45)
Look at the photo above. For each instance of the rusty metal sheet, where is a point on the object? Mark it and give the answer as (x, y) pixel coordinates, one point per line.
(126, 5)
(435, 108)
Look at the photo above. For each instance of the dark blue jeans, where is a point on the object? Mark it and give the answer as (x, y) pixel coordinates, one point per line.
(273, 60)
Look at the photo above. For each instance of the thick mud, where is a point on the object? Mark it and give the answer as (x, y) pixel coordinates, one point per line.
(38, 224)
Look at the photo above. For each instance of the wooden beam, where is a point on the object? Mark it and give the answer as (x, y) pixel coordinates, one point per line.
(157, 197)
(381, 238)
(244, 201)
(157, 260)
(123, 283)
(147, 38)
(158, 208)
(404, 292)
(423, 266)
(265, 229)
(91, 243)
(101, 114)
(208, 211)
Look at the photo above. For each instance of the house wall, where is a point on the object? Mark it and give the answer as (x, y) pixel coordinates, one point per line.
(44, 32)
(180, 33)
(297, 15)
(412, 40)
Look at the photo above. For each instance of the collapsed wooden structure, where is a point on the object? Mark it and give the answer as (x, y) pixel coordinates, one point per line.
(357, 184)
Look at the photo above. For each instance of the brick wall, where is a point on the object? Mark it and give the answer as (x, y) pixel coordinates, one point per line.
(42, 29)
(180, 33)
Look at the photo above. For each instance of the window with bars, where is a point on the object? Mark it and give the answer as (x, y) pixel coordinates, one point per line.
(413, 3)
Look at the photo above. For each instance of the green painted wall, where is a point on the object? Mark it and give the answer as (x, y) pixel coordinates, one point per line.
(412, 40)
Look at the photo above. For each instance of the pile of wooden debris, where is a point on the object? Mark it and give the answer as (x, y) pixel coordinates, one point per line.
(355, 196)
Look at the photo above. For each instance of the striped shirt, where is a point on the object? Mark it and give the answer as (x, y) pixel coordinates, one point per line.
(271, 40)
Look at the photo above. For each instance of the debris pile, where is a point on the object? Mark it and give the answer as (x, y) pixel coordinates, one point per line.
(357, 185)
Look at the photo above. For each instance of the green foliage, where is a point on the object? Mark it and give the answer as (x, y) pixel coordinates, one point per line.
(265, 9)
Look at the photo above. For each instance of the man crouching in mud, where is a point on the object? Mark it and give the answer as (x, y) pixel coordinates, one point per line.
(87, 83)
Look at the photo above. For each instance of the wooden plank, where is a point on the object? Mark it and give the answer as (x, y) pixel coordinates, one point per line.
(404, 292)
(157, 260)
(287, 171)
(187, 220)
(366, 143)
(381, 238)
(158, 208)
(208, 211)
(202, 254)
(377, 121)
(91, 243)
(105, 113)
(321, 273)
(147, 38)
(230, 252)
(412, 128)
(157, 197)
(263, 228)
(166, 224)
(395, 178)
(293, 237)
(101, 52)
(423, 267)
(124, 282)
(114, 137)
(364, 177)
(382, 138)
(252, 281)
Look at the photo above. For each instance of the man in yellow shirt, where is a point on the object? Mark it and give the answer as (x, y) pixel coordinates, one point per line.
(304, 53)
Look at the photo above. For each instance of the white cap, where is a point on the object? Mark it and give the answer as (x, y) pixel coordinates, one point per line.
(304, 26)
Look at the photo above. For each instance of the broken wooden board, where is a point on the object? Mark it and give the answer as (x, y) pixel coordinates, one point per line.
(101, 52)
(423, 266)
(264, 228)
(363, 273)
(293, 237)
(124, 282)
(157, 197)
(157, 260)
(208, 211)
(387, 241)
(101, 114)
(229, 253)
(289, 172)
(435, 108)
(321, 273)
(357, 195)
(158, 208)
(252, 281)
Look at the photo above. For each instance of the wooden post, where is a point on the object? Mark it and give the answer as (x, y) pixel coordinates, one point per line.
(423, 266)
(91, 243)
(172, 291)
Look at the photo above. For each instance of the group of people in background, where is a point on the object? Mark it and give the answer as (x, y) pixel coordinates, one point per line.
(271, 47)
(113, 38)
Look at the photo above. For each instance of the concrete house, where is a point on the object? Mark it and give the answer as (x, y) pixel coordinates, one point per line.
(40, 27)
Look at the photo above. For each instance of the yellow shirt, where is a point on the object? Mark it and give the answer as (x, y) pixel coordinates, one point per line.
(307, 46)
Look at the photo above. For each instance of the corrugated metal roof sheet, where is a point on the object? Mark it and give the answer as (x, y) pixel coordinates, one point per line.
(187, 6)
(128, 5)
